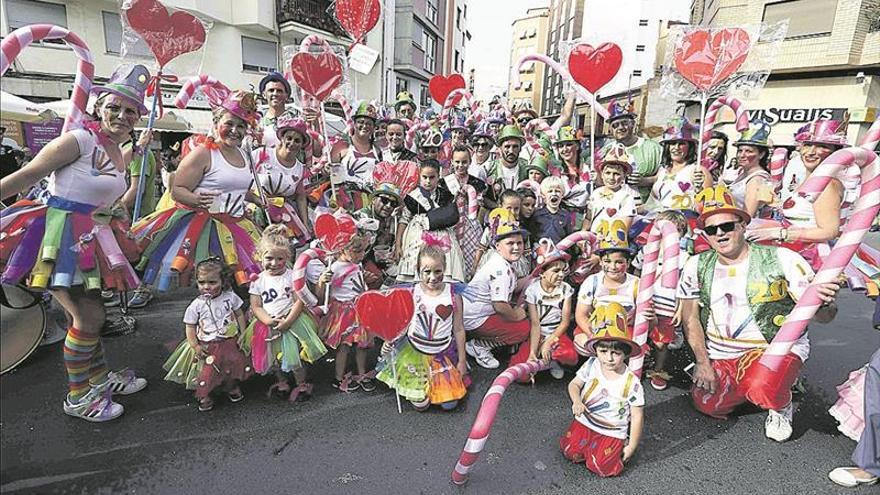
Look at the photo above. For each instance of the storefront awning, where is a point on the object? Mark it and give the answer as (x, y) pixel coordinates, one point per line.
(15, 108)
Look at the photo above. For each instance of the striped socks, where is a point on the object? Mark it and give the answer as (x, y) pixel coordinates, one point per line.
(79, 351)
(98, 371)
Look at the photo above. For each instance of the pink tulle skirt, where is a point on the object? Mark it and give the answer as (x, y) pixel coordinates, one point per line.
(849, 410)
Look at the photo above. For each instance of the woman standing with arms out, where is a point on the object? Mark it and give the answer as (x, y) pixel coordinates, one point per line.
(67, 245)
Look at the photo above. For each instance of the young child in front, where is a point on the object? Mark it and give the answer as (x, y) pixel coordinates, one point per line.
(209, 358)
(548, 300)
(430, 358)
(281, 334)
(511, 201)
(607, 399)
(551, 221)
(340, 327)
(615, 200)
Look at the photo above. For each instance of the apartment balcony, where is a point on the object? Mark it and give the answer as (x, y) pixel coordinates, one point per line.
(316, 14)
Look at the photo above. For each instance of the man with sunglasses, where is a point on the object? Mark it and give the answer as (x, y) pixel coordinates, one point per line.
(733, 300)
(645, 153)
(379, 219)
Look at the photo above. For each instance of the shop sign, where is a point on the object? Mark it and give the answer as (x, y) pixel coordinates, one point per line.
(38, 135)
(775, 115)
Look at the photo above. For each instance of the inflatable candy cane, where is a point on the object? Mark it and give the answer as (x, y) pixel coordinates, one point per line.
(742, 118)
(192, 85)
(662, 239)
(778, 162)
(299, 278)
(872, 138)
(22, 37)
(540, 125)
(863, 213)
(486, 416)
(473, 201)
(562, 71)
(452, 100)
(347, 111)
(576, 237)
(411, 133)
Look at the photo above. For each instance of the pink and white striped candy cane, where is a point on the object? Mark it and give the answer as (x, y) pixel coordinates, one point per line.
(486, 416)
(742, 117)
(529, 132)
(662, 239)
(872, 138)
(864, 211)
(473, 201)
(347, 111)
(778, 162)
(411, 133)
(300, 287)
(22, 37)
(576, 237)
(452, 101)
(192, 85)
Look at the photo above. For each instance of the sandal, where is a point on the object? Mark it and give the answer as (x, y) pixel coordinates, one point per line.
(302, 392)
(281, 388)
(366, 381)
(235, 395)
(206, 404)
(346, 384)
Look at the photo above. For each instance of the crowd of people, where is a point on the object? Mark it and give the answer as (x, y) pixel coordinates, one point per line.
(510, 251)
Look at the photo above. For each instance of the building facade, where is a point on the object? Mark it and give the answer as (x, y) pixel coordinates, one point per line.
(419, 45)
(529, 35)
(565, 20)
(457, 36)
(828, 64)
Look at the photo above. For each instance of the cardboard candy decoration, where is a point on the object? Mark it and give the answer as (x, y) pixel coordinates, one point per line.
(358, 17)
(440, 86)
(318, 74)
(167, 35)
(593, 68)
(706, 57)
(333, 231)
(385, 314)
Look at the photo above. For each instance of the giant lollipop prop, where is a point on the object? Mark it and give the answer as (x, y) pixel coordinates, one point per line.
(742, 119)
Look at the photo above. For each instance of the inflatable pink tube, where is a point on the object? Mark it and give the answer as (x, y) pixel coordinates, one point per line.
(300, 287)
(193, 84)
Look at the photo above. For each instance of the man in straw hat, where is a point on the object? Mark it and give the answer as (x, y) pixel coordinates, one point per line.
(734, 298)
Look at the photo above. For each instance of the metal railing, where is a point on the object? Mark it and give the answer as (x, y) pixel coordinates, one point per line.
(313, 13)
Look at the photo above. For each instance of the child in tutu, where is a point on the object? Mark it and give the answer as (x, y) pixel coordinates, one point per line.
(607, 399)
(281, 335)
(340, 327)
(430, 358)
(209, 357)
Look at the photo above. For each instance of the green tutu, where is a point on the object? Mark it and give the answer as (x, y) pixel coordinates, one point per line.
(423, 376)
(298, 343)
(183, 366)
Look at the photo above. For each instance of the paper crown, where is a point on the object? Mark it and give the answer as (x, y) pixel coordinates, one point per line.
(458, 122)
(274, 76)
(366, 109)
(525, 108)
(404, 98)
(617, 110)
(612, 237)
(758, 134)
(546, 253)
(387, 189)
(482, 130)
(129, 82)
(502, 223)
(717, 199)
(242, 104)
(824, 131)
(616, 153)
(608, 322)
(431, 138)
(497, 116)
(566, 134)
(289, 123)
(510, 132)
(679, 129)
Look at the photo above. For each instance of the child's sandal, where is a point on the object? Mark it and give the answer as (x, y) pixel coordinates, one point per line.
(281, 387)
(301, 393)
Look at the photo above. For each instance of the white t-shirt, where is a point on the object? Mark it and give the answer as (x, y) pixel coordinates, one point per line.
(276, 292)
(347, 282)
(493, 282)
(608, 402)
(214, 318)
(594, 292)
(549, 304)
(607, 205)
(730, 330)
(430, 330)
(92, 178)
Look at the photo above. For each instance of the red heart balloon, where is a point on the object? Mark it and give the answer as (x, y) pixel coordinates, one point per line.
(386, 314)
(167, 35)
(358, 17)
(593, 68)
(440, 87)
(706, 59)
(317, 74)
(334, 232)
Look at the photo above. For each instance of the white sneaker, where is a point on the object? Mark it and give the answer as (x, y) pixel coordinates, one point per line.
(556, 370)
(778, 424)
(97, 407)
(123, 382)
(482, 355)
(844, 476)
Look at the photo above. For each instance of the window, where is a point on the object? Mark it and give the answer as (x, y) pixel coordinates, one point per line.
(458, 18)
(429, 45)
(20, 13)
(431, 10)
(457, 57)
(640, 48)
(643, 22)
(424, 96)
(529, 86)
(258, 55)
(113, 37)
(806, 17)
(418, 35)
(402, 85)
(637, 73)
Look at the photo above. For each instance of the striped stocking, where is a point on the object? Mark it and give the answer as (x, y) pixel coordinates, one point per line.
(79, 351)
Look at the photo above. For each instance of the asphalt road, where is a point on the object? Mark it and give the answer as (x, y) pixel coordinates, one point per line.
(358, 443)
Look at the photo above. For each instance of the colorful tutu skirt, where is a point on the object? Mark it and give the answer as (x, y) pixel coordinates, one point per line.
(175, 240)
(228, 367)
(283, 212)
(849, 410)
(341, 327)
(64, 243)
(423, 376)
(298, 343)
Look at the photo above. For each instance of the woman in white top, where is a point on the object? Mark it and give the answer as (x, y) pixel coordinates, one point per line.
(68, 245)
(210, 189)
(680, 178)
(752, 189)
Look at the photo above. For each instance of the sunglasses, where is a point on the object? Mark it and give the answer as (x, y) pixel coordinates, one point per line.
(480, 144)
(524, 120)
(621, 123)
(725, 228)
(388, 201)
